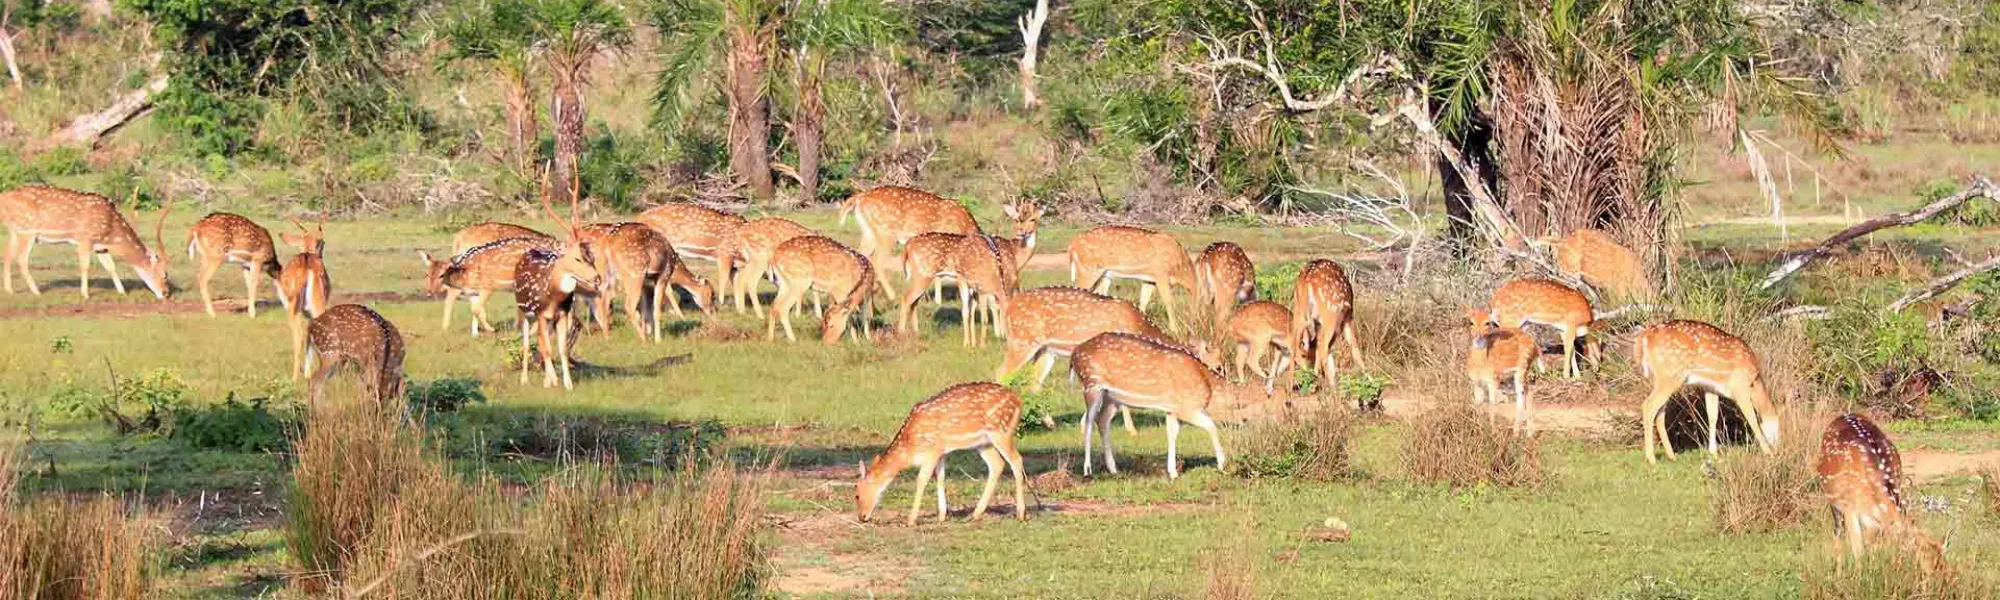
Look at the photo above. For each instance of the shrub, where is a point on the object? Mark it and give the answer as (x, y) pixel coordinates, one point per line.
(1232, 566)
(353, 457)
(667, 445)
(1460, 446)
(54, 549)
(232, 425)
(1315, 445)
(444, 395)
(1756, 492)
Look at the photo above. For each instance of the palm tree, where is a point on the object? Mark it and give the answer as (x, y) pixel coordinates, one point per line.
(499, 35)
(744, 33)
(568, 35)
(822, 32)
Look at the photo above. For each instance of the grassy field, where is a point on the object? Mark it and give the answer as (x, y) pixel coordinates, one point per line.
(1604, 525)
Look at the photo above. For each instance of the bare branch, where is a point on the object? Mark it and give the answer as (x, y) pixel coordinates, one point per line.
(1941, 284)
(1981, 187)
(1382, 64)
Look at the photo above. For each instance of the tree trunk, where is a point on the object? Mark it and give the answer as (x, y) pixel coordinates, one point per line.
(7, 52)
(810, 129)
(1474, 142)
(1031, 37)
(524, 128)
(567, 113)
(749, 111)
(89, 128)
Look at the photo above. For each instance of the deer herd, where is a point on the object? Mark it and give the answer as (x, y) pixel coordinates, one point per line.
(1120, 358)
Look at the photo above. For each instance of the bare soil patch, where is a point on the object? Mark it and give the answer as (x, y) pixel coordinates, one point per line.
(1921, 465)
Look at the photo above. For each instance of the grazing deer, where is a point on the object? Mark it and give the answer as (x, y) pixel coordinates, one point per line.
(1681, 353)
(546, 285)
(1323, 307)
(968, 416)
(91, 222)
(753, 243)
(224, 238)
(890, 216)
(1601, 261)
(1862, 476)
(986, 274)
(1046, 323)
(634, 259)
(1545, 302)
(353, 333)
(1496, 353)
(1136, 371)
(696, 231)
(1110, 252)
(1225, 277)
(477, 274)
(303, 288)
(1257, 328)
(810, 263)
(491, 231)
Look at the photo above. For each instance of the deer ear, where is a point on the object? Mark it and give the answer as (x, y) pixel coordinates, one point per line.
(426, 256)
(1012, 213)
(293, 239)
(862, 466)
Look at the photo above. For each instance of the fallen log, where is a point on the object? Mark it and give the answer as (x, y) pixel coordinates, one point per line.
(89, 129)
(1980, 188)
(1941, 284)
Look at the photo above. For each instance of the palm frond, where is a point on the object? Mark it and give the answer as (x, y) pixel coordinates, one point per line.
(691, 37)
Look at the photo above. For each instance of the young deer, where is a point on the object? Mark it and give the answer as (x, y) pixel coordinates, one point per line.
(809, 263)
(1046, 323)
(224, 238)
(477, 274)
(353, 333)
(1862, 476)
(968, 416)
(1323, 307)
(1544, 302)
(491, 231)
(1224, 276)
(303, 288)
(1497, 353)
(1601, 261)
(986, 276)
(91, 222)
(1098, 256)
(1125, 370)
(546, 285)
(923, 254)
(753, 243)
(1257, 328)
(890, 216)
(635, 260)
(1681, 353)
(694, 230)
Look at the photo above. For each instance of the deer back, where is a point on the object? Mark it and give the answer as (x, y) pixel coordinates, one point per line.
(491, 231)
(356, 332)
(1261, 320)
(693, 229)
(488, 266)
(927, 253)
(1860, 470)
(1133, 250)
(222, 235)
(1139, 365)
(1067, 316)
(1683, 349)
(902, 213)
(1541, 301)
(1601, 261)
(1224, 270)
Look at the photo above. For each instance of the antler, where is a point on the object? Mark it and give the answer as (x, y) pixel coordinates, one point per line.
(159, 228)
(551, 208)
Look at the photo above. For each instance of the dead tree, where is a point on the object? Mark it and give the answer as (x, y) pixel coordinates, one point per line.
(1981, 188)
(1031, 38)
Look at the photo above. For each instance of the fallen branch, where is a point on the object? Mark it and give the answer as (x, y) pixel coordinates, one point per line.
(1980, 187)
(88, 129)
(426, 554)
(1939, 285)
(1810, 312)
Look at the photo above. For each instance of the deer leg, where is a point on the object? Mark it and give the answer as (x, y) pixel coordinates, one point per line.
(1167, 300)
(924, 469)
(1200, 419)
(1278, 365)
(1323, 361)
(1018, 354)
(937, 290)
(250, 291)
(909, 304)
(781, 309)
(1104, 430)
(526, 355)
(661, 291)
(1242, 357)
(1713, 404)
(1855, 547)
(1524, 415)
(562, 347)
(635, 295)
(1173, 446)
(298, 326)
(1090, 408)
(83, 269)
(1569, 350)
(450, 298)
(7, 266)
(944, 509)
(111, 268)
(1347, 333)
(969, 321)
(544, 342)
(1005, 447)
(747, 280)
(27, 251)
(1650, 413)
(1145, 294)
(884, 251)
(316, 385)
(205, 272)
(1126, 412)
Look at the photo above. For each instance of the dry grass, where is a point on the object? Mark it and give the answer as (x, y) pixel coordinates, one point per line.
(1757, 492)
(1313, 443)
(1232, 566)
(1989, 491)
(1905, 570)
(1459, 446)
(353, 458)
(54, 549)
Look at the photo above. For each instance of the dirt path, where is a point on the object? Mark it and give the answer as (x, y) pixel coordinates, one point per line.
(1921, 465)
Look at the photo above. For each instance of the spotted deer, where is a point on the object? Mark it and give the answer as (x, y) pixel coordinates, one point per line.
(304, 287)
(696, 231)
(1544, 302)
(812, 263)
(752, 244)
(354, 333)
(1046, 323)
(478, 274)
(922, 254)
(1681, 353)
(891, 216)
(224, 238)
(1259, 328)
(968, 416)
(1137, 371)
(1497, 353)
(1601, 261)
(1224, 277)
(491, 231)
(1154, 259)
(91, 222)
(1322, 308)
(986, 275)
(643, 268)
(1862, 476)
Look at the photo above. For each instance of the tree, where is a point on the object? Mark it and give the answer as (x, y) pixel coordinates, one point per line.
(1031, 38)
(744, 34)
(822, 32)
(17, 17)
(500, 35)
(568, 35)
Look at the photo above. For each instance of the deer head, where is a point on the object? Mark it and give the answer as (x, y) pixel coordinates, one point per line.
(1027, 217)
(154, 272)
(313, 241)
(575, 270)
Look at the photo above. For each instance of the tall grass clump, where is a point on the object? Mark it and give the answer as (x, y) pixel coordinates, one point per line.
(1989, 491)
(1462, 447)
(1756, 492)
(1908, 568)
(1231, 566)
(1314, 444)
(54, 549)
(354, 458)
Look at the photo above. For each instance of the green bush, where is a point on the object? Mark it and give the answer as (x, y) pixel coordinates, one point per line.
(444, 395)
(610, 171)
(666, 445)
(1313, 445)
(1275, 283)
(232, 425)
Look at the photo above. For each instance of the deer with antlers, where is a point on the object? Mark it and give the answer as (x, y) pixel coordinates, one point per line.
(1154, 259)
(1548, 303)
(91, 222)
(1322, 308)
(1497, 353)
(225, 238)
(489, 232)
(546, 286)
(1675, 354)
(817, 263)
(1601, 261)
(1136, 371)
(968, 416)
(304, 287)
(643, 268)
(1861, 475)
(753, 244)
(1260, 328)
(479, 273)
(356, 334)
(891, 216)
(696, 231)
(1225, 277)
